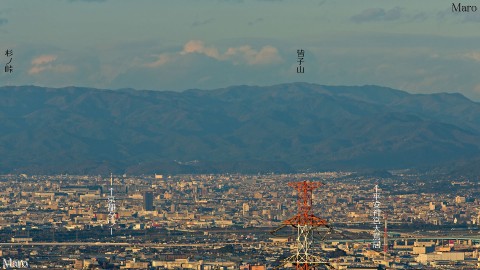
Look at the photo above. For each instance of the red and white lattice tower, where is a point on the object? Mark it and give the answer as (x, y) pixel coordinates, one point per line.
(306, 223)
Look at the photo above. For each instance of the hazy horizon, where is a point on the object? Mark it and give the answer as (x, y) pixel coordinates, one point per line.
(420, 47)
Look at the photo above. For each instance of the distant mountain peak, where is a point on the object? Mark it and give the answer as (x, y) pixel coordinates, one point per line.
(284, 127)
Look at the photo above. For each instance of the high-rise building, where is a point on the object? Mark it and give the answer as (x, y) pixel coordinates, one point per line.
(148, 201)
(246, 208)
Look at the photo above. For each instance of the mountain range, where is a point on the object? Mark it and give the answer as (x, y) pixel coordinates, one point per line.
(249, 129)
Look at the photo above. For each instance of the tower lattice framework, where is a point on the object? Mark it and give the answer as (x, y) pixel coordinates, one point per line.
(306, 223)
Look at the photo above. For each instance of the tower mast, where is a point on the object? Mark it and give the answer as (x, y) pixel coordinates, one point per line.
(306, 223)
(385, 240)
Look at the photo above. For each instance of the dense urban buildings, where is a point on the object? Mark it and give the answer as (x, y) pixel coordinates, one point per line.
(223, 221)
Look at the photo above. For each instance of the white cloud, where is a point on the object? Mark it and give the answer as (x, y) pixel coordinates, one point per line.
(266, 55)
(36, 70)
(473, 56)
(43, 59)
(45, 62)
(197, 46)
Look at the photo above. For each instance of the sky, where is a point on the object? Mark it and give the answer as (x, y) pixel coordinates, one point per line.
(416, 46)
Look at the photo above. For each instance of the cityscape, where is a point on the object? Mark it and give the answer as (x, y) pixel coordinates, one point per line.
(225, 221)
(239, 135)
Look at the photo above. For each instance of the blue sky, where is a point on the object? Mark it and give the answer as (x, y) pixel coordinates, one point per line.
(418, 46)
